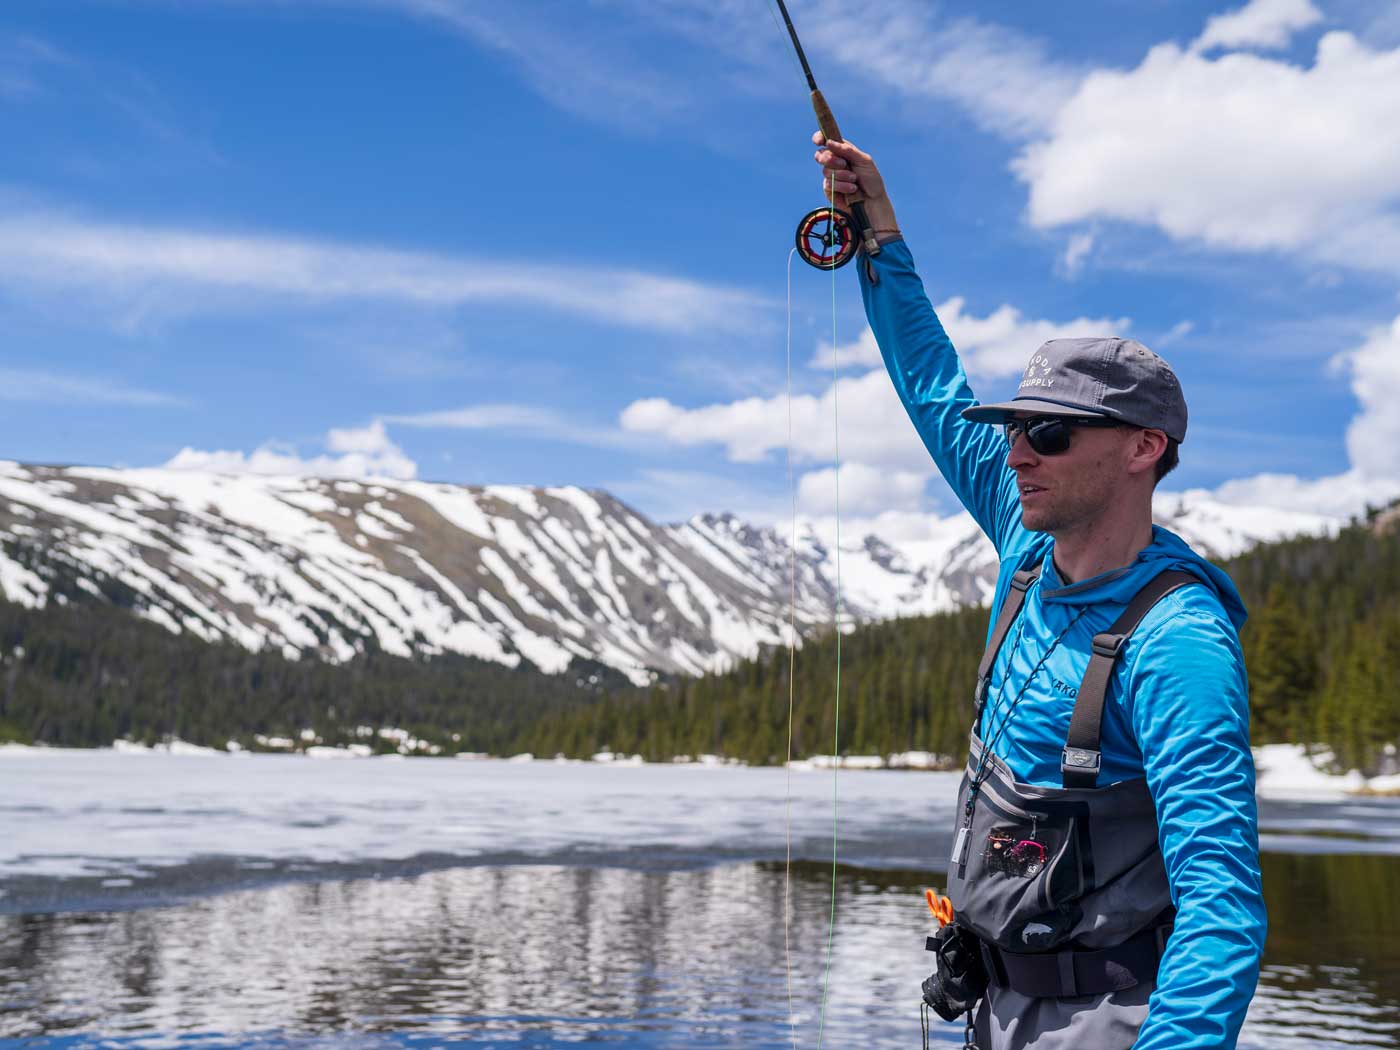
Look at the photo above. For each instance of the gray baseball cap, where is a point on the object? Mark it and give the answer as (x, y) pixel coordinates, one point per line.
(1102, 377)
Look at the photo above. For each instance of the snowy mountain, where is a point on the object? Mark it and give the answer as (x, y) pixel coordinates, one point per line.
(322, 566)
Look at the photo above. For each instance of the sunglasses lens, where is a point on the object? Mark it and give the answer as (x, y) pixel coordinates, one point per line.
(1048, 437)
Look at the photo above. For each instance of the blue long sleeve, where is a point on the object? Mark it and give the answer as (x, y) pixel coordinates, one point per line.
(1189, 708)
(930, 381)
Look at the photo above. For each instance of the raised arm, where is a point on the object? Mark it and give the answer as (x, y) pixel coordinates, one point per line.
(921, 360)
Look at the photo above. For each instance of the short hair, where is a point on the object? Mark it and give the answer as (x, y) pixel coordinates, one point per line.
(1168, 461)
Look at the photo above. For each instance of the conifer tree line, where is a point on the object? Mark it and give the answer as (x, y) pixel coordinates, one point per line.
(85, 670)
(1322, 648)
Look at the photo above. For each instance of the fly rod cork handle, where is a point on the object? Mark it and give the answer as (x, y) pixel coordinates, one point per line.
(831, 132)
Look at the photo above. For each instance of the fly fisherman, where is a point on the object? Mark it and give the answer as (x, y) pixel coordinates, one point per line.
(1105, 867)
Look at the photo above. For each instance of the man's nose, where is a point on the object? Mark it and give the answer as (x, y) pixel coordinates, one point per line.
(1020, 454)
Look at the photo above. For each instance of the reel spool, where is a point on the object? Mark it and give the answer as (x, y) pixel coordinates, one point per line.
(826, 238)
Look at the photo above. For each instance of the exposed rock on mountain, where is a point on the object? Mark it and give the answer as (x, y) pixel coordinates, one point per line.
(326, 567)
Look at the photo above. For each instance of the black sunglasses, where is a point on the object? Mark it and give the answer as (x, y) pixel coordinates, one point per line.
(1050, 435)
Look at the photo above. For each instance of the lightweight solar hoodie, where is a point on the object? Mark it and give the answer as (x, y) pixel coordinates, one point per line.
(1177, 710)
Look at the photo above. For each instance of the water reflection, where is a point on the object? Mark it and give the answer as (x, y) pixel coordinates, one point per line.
(547, 955)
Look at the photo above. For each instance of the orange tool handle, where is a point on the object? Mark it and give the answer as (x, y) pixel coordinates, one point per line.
(942, 907)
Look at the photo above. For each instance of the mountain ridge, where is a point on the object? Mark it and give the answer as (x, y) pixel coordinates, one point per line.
(329, 567)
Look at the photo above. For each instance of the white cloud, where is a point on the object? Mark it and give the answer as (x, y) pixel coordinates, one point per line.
(1006, 81)
(1373, 443)
(863, 490)
(24, 384)
(1340, 495)
(1373, 436)
(1239, 151)
(1076, 251)
(863, 352)
(990, 347)
(1260, 23)
(143, 264)
(874, 427)
(532, 420)
(885, 466)
(601, 76)
(1001, 343)
(1176, 333)
(366, 452)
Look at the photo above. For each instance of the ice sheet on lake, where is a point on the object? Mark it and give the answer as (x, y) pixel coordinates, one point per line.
(128, 814)
(134, 814)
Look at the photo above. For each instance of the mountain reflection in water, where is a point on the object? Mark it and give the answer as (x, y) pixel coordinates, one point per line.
(541, 956)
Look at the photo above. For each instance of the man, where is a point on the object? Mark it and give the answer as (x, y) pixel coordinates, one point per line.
(1106, 850)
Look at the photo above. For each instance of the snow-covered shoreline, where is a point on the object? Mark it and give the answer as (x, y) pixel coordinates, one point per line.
(1285, 771)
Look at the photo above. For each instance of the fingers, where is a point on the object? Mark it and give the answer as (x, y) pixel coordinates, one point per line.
(842, 182)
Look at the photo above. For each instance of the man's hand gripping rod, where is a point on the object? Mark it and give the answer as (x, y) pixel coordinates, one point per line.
(829, 246)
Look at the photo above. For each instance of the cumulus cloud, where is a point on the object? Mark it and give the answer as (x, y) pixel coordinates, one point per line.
(1373, 436)
(990, 347)
(886, 468)
(1337, 495)
(863, 490)
(1260, 23)
(1240, 151)
(874, 427)
(365, 452)
(1373, 443)
(190, 269)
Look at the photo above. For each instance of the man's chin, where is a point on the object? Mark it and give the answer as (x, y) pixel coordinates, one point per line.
(1035, 519)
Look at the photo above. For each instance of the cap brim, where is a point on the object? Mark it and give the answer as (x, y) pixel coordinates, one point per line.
(1000, 413)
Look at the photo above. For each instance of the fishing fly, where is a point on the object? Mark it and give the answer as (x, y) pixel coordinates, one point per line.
(827, 237)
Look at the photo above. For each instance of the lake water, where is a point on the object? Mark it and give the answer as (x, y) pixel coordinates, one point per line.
(163, 901)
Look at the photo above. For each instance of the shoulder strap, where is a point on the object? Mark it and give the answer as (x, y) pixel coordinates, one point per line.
(1079, 765)
(1015, 598)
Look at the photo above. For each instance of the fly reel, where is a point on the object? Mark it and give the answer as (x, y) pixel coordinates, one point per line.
(826, 238)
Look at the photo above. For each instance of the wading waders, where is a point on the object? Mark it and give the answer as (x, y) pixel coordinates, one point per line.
(1064, 887)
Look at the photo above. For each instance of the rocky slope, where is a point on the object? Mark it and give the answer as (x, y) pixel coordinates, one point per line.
(325, 567)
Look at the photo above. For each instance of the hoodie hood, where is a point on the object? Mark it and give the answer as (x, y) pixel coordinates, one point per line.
(1166, 551)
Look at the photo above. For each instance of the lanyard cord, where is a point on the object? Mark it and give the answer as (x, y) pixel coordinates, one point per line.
(984, 760)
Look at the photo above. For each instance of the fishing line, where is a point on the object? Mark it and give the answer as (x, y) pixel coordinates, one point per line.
(836, 718)
(792, 668)
(792, 680)
(827, 249)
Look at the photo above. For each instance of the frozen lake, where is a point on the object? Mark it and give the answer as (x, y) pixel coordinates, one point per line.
(161, 900)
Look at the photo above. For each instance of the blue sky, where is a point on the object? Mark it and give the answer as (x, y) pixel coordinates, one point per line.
(547, 242)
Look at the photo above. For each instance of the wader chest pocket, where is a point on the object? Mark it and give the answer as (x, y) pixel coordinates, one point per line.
(1018, 852)
(1031, 862)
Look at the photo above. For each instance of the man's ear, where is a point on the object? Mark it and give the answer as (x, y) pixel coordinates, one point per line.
(1146, 449)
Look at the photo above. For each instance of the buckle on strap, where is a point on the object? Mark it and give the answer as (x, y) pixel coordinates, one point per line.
(1080, 760)
(1108, 644)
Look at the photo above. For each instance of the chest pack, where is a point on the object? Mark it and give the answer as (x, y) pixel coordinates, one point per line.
(1065, 887)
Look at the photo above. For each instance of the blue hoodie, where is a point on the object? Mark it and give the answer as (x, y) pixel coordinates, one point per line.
(1177, 711)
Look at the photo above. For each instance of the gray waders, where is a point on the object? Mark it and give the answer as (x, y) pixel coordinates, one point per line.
(1064, 887)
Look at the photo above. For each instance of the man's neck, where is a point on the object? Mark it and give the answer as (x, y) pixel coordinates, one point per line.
(1100, 546)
